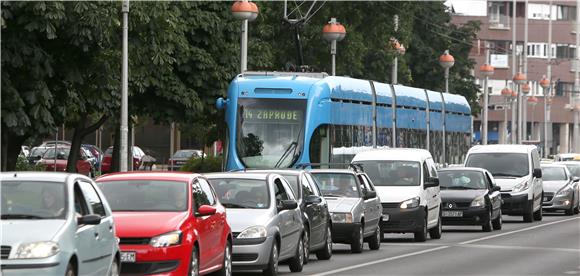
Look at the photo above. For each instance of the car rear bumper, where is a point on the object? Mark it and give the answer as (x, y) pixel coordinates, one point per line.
(471, 216)
(252, 256)
(344, 232)
(515, 205)
(397, 220)
(172, 260)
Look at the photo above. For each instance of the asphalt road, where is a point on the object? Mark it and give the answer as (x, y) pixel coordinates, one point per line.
(549, 247)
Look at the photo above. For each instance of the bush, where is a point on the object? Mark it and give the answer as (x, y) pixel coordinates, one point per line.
(199, 165)
(22, 164)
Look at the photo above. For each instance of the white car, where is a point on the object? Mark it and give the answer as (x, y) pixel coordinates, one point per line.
(516, 169)
(407, 184)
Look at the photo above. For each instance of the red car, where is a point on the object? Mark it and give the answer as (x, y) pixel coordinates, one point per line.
(108, 159)
(168, 223)
(49, 162)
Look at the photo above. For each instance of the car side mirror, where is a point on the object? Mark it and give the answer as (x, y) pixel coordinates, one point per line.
(370, 194)
(537, 173)
(575, 179)
(205, 210)
(431, 182)
(89, 220)
(287, 205)
(495, 188)
(312, 199)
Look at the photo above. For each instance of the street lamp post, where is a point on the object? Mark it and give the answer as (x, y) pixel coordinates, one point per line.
(333, 32)
(525, 91)
(533, 100)
(519, 79)
(399, 51)
(507, 94)
(244, 11)
(486, 70)
(124, 90)
(545, 84)
(446, 61)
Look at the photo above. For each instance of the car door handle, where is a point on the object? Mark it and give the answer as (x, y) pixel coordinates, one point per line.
(96, 235)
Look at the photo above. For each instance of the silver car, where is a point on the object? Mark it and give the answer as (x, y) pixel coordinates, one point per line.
(56, 224)
(560, 189)
(265, 219)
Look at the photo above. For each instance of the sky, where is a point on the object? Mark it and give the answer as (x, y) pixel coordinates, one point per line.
(469, 7)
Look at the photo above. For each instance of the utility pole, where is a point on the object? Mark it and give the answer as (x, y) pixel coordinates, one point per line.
(548, 91)
(514, 88)
(525, 65)
(124, 90)
(574, 99)
(395, 65)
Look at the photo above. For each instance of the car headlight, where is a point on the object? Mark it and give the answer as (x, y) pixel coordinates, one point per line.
(165, 240)
(342, 217)
(410, 203)
(521, 187)
(564, 191)
(253, 232)
(478, 202)
(37, 250)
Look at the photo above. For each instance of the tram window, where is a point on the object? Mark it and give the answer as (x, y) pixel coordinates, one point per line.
(319, 145)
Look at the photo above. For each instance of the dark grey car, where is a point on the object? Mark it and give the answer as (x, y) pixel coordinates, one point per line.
(315, 214)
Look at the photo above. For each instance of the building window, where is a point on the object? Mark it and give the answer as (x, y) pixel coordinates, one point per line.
(498, 15)
(565, 51)
(567, 13)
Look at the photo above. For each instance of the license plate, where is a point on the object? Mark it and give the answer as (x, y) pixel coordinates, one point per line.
(452, 213)
(128, 257)
(386, 217)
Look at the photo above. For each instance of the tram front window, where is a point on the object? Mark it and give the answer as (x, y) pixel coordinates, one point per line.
(270, 132)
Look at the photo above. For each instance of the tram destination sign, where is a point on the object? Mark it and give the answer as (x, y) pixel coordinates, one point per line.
(272, 115)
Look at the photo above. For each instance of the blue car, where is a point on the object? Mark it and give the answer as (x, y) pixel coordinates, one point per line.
(55, 224)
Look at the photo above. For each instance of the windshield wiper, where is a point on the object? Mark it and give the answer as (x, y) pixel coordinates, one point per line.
(505, 174)
(234, 205)
(462, 188)
(20, 216)
(286, 153)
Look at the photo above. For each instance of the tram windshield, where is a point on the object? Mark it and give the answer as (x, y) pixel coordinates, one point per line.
(270, 132)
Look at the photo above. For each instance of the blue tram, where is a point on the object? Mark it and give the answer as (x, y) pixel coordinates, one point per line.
(279, 119)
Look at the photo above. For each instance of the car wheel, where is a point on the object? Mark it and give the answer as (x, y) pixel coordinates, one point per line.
(357, 240)
(435, 233)
(306, 239)
(497, 223)
(529, 215)
(226, 269)
(326, 251)
(570, 211)
(375, 240)
(296, 263)
(487, 227)
(114, 271)
(421, 235)
(272, 268)
(539, 214)
(194, 263)
(70, 270)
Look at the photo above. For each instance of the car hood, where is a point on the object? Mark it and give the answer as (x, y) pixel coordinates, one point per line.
(507, 184)
(240, 219)
(341, 204)
(465, 195)
(17, 231)
(554, 186)
(397, 193)
(147, 224)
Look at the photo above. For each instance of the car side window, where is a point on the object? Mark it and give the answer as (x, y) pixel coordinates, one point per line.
(93, 197)
(81, 208)
(313, 184)
(535, 159)
(206, 188)
(306, 188)
(198, 196)
(432, 167)
(279, 191)
(425, 172)
(368, 182)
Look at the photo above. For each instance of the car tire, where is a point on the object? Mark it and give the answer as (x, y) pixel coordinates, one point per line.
(435, 233)
(538, 215)
(529, 215)
(70, 270)
(497, 222)
(375, 239)
(421, 235)
(326, 252)
(487, 226)
(115, 268)
(357, 240)
(306, 239)
(272, 268)
(296, 263)
(570, 211)
(226, 269)
(193, 268)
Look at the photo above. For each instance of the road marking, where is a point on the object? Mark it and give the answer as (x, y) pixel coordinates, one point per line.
(439, 248)
(572, 250)
(517, 231)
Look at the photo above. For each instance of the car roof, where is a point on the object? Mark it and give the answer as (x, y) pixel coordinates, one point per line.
(344, 171)
(502, 148)
(568, 163)
(280, 171)
(242, 175)
(138, 175)
(462, 169)
(37, 176)
(399, 154)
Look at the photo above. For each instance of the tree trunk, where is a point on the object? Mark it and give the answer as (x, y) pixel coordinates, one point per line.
(116, 145)
(80, 132)
(11, 146)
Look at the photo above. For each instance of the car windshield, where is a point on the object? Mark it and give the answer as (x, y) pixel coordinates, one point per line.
(61, 153)
(37, 152)
(393, 173)
(337, 184)
(553, 173)
(33, 200)
(574, 169)
(501, 164)
(242, 193)
(293, 181)
(145, 195)
(462, 180)
(270, 132)
(185, 154)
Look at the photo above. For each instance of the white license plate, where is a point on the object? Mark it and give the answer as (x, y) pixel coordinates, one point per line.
(452, 214)
(386, 217)
(128, 257)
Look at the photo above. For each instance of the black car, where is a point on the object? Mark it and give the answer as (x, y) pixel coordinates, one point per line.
(315, 214)
(470, 196)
